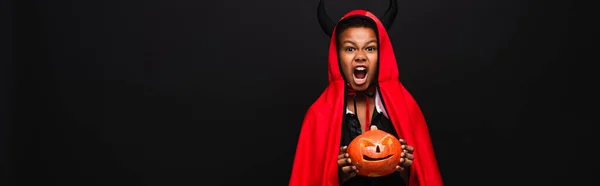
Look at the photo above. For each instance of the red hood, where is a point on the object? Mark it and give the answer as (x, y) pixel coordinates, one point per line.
(315, 161)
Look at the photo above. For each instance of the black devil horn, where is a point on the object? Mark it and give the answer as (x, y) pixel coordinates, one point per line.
(324, 20)
(390, 14)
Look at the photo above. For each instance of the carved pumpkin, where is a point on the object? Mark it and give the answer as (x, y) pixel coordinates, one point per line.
(375, 153)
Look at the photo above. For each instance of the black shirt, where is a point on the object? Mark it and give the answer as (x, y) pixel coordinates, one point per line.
(350, 129)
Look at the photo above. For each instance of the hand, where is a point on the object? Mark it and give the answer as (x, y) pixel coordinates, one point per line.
(345, 163)
(407, 157)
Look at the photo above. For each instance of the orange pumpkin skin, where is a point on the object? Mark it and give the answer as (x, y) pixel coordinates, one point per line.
(375, 153)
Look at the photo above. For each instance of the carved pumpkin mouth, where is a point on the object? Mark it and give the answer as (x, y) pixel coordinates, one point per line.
(367, 158)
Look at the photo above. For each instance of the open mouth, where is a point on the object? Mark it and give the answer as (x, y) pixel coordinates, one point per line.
(367, 158)
(360, 75)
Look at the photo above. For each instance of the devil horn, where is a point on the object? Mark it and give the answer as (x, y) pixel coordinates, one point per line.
(324, 20)
(390, 14)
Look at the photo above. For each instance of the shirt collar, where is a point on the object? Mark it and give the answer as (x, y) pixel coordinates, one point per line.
(378, 105)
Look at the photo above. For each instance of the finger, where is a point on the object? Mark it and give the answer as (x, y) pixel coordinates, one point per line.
(373, 127)
(407, 163)
(409, 148)
(403, 142)
(342, 156)
(343, 149)
(342, 162)
(399, 168)
(410, 156)
(347, 169)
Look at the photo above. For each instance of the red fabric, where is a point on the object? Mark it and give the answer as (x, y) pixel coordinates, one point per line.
(315, 161)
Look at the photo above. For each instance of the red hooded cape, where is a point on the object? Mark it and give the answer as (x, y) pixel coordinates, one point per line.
(315, 161)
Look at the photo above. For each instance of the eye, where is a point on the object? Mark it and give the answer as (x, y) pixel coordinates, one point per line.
(371, 49)
(349, 49)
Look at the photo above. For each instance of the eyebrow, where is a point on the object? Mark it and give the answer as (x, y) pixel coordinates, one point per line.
(371, 41)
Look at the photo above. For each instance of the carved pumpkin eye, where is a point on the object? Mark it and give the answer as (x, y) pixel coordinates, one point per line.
(387, 140)
(366, 143)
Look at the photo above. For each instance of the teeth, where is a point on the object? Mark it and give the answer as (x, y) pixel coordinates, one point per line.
(360, 68)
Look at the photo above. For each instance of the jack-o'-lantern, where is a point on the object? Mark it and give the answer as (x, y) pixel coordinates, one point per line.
(375, 153)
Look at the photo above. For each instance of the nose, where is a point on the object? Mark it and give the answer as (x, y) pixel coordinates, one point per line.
(377, 149)
(360, 57)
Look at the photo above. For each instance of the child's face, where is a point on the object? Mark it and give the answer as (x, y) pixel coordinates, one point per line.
(358, 56)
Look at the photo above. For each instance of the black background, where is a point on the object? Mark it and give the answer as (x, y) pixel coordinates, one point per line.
(187, 92)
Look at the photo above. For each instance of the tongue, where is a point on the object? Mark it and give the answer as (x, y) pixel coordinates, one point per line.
(360, 74)
(360, 78)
